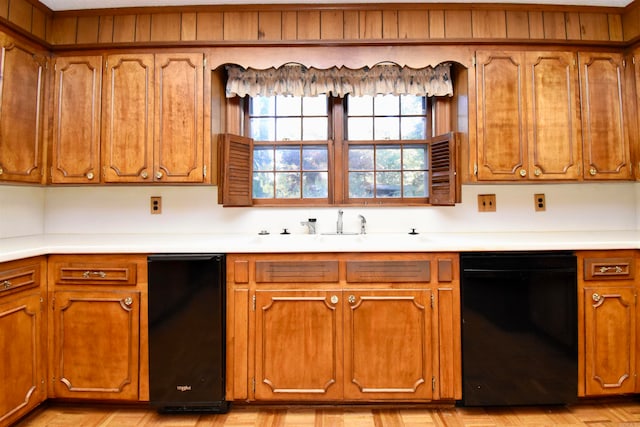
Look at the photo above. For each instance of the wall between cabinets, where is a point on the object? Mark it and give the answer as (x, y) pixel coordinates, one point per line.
(193, 209)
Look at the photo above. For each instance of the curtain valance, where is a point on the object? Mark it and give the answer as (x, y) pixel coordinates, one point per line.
(298, 80)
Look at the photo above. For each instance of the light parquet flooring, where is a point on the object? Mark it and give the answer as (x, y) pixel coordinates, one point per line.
(607, 414)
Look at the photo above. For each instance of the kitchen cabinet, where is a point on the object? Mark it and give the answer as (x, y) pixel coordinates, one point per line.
(605, 128)
(98, 332)
(153, 118)
(22, 76)
(75, 156)
(607, 323)
(528, 116)
(333, 327)
(22, 337)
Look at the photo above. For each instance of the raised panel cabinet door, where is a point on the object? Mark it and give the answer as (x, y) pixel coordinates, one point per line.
(179, 118)
(553, 110)
(21, 113)
(22, 369)
(604, 129)
(501, 116)
(298, 342)
(387, 345)
(610, 344)
(75, 156)
(127, 130)
(96, 345)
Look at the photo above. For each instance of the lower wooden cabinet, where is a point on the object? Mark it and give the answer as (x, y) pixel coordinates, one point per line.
(22, 338)
(607, 323)
(97, 330)
(343, 327)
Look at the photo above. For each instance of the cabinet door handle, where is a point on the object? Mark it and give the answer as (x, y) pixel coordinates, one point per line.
(537, 172)
(128, 301)
(596, 297)
(615, 268)
(90, 175)
(144, 174)
(1, 170)
(159, 175)
(592, 171)
(334, 299)
(523, 173)
(352, 299)
(88, 274)
(6, 284)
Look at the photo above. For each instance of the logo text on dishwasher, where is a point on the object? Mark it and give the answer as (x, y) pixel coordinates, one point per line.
(183, 388)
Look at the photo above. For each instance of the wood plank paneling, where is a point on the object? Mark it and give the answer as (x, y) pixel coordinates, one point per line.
(63, 30)
(188, 28)
(457, 24)
(536, 25)
(572, 22)
(39, 23)
(390, 24)
(436, 24)
(413, 24)
(308, 25)
(20, 14)
(88, 27)
(105, 33)
(165, 27)
(489, 24)
(517, 25)
(240, 26)
(594, 26)
(331, 25)
(210, 26)
(351, 25)
(631, 23)
(4, 9)
(124, 28)
(371, 24)
(615, 27)
(143, 28)
(289, 25)
(554, 25)
(270, 26)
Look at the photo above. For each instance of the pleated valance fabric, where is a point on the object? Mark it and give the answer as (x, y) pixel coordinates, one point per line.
(298, 80)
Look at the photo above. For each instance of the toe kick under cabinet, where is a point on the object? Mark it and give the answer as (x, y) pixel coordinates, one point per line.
(343, 327)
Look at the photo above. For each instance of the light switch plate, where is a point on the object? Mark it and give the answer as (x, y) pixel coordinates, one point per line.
(156, 205)
(486, 202)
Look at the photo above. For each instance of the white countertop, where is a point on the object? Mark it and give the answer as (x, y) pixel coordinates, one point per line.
(23, 247)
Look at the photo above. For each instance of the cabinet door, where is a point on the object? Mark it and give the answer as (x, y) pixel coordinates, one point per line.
(179, 144)
(554, 124)
(501, 115)
(96, 345)
(22, 368)
(298, 345)
(604, 130)
(387, 343)
(610, 346)
(127, 133)
(21, 104)
(75, 155)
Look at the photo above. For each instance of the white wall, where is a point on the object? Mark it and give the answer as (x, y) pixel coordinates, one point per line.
(21, 210)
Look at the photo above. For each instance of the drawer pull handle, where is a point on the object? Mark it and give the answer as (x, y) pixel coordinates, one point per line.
(596, 297)
(615, 269)
(128, 301)
(88, 274)
(334, 299)
(6, 284)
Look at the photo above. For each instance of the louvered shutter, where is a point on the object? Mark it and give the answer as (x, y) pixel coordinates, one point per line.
(443, 173)
(235, 180)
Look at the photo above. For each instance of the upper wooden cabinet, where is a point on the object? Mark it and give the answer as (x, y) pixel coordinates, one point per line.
(75, 157)
(604, 125)
(527, 116)
(22, 75)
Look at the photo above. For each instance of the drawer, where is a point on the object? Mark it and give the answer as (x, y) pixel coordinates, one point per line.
(23, 277)
(95, 273)
(608, 268)
(296, 271)
(388, 271)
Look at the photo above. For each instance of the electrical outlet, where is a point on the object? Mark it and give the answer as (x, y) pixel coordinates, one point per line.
(540, 202)
(486, 202)
(156, 205)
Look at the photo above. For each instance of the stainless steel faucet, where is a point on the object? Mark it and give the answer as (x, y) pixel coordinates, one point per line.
(363, 224)
(311, 225)
(339, 223)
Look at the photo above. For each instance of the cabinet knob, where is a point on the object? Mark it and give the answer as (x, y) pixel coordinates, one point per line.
(128, 301)
(596, 297)
(159, 175)
(592, 171)
(90, 175)
(6, 284)
(523, 173)
(352, 299)
(144, 174)
(1, 170)
(334, 299)
(537, 172)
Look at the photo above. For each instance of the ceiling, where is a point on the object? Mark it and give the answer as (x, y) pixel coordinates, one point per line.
(58, 5)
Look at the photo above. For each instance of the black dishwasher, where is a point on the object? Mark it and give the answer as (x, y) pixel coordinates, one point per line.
(187, 332)
(519, 328)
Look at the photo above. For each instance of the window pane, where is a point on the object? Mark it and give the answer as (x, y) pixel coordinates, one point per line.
(288, 129)
(315, 128)
(414, 158)
(387, 128)
(361, 184)
(361, 158)
(262, 106)
(288, 158)
(263, 129)
(360, 105)
(412, 105)
(413, 128)
(415, 184)
(387, 105)
(287, 185)
(263, 185)
(388, 157)
(288, 105)
(314, 106)
(360, 128)
(388, 184)
(315, 158)
(263, 158)
(315, 184)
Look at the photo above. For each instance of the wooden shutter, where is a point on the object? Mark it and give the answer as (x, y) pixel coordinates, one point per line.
(235, 181)
(443, 175)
